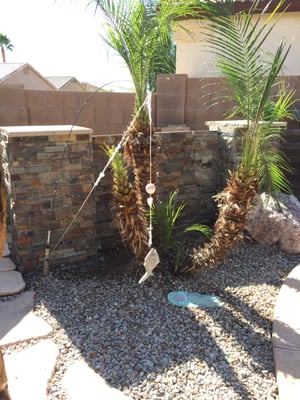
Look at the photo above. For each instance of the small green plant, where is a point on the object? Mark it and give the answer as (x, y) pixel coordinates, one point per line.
(165, 215)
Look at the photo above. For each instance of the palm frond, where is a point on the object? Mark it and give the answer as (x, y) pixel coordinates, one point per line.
(140, 32)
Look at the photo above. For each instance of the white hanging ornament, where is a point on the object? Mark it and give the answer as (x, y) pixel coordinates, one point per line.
(150, 188)
(152, 258)
(151, 261)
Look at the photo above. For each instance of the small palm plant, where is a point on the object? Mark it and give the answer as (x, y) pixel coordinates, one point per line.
(252, 78)
(165, 216)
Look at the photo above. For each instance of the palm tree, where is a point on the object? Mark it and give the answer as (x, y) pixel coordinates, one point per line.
(5, 44)
(252, 77)
(140, 32)
(128, 218)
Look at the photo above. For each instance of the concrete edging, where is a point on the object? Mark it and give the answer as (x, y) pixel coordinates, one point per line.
(286, 337)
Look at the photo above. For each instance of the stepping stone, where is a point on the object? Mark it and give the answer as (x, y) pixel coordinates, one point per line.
(82, 382)
(6, 264)
(286, 337)
(29, 371)
(11, 282)
(18, 323)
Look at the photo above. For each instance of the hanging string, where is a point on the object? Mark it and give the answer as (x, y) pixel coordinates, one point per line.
(150, 188)
(101, 175)
(152, 258)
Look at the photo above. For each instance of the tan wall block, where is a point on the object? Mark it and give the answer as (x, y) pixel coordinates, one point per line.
(46, 116)
(12, 97)
(70, 100)
(13, 116)
(54, 99)
(35, 98)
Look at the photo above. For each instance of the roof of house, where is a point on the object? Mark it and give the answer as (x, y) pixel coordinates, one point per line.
(62, 81)
(292, 5)
(8, 70)
(243, 5)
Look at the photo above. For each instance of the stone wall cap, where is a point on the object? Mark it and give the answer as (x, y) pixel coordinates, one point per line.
(44, 130)
(215, 125)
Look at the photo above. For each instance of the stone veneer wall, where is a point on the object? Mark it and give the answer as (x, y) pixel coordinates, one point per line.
(32, 156)
(33, 165)
(195, 162)
(187, 160)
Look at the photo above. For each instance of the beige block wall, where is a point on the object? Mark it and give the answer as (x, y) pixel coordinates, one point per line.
(104, 112)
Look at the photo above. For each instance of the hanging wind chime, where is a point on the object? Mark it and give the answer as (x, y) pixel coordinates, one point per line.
(152, 258)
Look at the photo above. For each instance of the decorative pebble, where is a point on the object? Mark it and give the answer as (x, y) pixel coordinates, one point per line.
(147, 348)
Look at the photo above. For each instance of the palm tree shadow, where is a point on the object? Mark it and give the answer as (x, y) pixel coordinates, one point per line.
(110, 318)
(106, 334)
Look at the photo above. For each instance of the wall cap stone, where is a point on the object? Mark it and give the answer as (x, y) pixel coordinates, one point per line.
(43, 130)
(233, 124)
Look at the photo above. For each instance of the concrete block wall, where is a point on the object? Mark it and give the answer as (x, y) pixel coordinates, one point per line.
(105, 113)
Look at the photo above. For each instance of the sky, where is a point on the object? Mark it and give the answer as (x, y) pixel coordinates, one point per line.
(61, 38)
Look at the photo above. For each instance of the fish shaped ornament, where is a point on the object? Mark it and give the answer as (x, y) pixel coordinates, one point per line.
(151, 261)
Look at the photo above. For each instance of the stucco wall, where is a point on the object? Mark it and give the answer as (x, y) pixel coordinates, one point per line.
(195, 59)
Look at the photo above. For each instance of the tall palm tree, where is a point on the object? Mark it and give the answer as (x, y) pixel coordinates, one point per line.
(5, 44)
(140, 32)
(252, 77)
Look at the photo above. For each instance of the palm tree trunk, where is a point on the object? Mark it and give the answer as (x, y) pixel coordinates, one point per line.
(129, 218)
(3, 54)
(137, 155)
(234, 204)
(2, 215)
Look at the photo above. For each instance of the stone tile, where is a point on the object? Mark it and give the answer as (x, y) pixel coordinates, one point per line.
(29, 370)
(11, 282)
(82, 382)
(18, 323)
(287, 364)
(285, 335)
(6, 264)
(287, 300)
(30, 327)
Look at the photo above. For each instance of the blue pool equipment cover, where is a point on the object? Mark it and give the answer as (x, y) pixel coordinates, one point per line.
(193, 299)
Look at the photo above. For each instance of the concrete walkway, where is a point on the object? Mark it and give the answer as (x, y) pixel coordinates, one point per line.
(286, 337)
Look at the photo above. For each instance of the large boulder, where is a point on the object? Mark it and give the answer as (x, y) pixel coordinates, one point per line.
(276, 221)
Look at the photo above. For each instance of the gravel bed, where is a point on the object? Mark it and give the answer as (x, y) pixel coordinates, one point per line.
(151, 349)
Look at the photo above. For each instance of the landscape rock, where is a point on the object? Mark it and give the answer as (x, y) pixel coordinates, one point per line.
(274, 221)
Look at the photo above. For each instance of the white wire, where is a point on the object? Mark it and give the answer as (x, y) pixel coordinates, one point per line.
(101, 175)
(150, 202)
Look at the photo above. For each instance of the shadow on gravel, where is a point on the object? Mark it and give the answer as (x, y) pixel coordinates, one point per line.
(129, 333)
